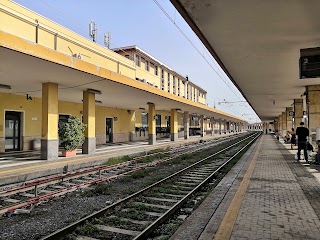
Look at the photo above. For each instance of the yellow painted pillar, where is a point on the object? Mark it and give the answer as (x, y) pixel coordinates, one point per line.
(280, 124)
(202, 126)
(174, 125)
(132, 125)
(152, 124)
(50, 117)
(212, 122)
(89, 118)
(289, 118)
(298, 112)
(186, 124)
(284, 123)
(313, 111)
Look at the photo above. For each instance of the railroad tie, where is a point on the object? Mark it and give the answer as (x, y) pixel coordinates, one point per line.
(172, 195)
(153, 214)
(162, 199)
(79, 237)
(117, 230)
(27, 195)
(152, 205)
(11, 200)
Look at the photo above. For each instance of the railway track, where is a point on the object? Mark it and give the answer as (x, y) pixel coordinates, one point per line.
(138, 215)
(21, 198)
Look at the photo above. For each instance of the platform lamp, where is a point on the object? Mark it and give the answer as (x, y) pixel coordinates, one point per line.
(3, 86)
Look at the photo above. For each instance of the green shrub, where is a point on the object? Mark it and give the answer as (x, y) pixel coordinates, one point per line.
(71, 133)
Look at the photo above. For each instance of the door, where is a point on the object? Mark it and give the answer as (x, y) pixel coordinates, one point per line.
(12, 131)
(109, 130)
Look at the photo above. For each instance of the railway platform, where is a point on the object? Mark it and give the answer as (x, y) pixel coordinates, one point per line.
(23, 166)
(267, 195)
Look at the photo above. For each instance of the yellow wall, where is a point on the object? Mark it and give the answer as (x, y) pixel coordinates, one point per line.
(68, 42)
(32, 110)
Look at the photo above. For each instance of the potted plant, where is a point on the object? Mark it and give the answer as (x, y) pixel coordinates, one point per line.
(71, 133)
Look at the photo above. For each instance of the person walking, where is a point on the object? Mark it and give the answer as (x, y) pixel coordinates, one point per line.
(293, 138)
(302, 133)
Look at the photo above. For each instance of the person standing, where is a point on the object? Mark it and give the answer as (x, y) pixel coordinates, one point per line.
(302, 133)
(293, 138)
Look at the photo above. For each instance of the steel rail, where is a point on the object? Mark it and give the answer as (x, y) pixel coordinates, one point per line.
(147, 231)
(72, 227)
(60, 192)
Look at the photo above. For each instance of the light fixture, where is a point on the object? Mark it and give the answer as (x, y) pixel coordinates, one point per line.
(5, 86)
(98, 101)
(90, 90)
(141, 108)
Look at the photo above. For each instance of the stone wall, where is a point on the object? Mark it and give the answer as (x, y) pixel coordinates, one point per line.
(100, 139)
(27, 142)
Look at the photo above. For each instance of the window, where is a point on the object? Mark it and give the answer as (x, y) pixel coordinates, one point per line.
(138, 60)
(162, 79)
(127, 56)
(174, 84)
(147, 65)
(156, 70)
(144, 119)
(158, 120)
(187, 91)
(168, 82)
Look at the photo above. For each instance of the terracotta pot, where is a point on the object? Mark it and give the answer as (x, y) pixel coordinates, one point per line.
(66, 153)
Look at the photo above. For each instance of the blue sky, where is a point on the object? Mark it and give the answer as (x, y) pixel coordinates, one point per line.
(143, 23)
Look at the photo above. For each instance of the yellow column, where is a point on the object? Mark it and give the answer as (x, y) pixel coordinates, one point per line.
(152, 124)
(280, 125)
(313, 111)
(50, 117)
(132, 124)
(212, 122)
(289, 118)
(174, 125)
(284, 123)
(298, 112)
(202, 125)
(186, 124)
(89, 118)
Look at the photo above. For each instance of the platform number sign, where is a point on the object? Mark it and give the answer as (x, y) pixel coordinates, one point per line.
(310, 66)
(291, 113)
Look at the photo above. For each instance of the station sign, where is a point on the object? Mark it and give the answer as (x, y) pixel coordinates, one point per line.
(310, 66)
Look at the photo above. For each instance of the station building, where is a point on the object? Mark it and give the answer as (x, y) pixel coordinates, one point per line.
(49, 73)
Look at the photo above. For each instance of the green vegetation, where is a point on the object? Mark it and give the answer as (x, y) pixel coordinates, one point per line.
(116, 160)
(138, 174)
(87, 229)
(99, 189)
(71, 133)
(168, 228)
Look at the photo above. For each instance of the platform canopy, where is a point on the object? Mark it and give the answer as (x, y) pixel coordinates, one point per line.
(25, 74)
(257, 43)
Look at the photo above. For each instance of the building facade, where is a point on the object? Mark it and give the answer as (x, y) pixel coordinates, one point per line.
(50, 73)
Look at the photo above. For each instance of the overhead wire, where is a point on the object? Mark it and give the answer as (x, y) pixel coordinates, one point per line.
(223, 77)
(193, 45)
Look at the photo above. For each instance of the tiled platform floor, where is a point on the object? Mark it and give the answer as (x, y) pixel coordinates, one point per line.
(273, 196)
